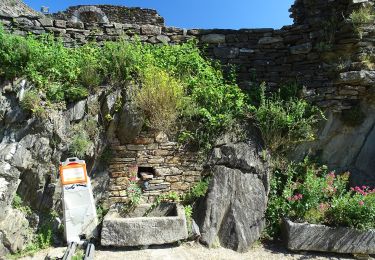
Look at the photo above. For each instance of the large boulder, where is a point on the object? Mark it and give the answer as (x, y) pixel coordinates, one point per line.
(15, 232)
(233, 212)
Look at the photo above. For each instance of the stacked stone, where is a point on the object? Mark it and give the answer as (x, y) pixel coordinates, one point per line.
(321, 51)
(175, 169)
(119, 14)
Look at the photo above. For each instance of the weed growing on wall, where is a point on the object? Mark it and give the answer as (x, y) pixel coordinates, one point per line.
(285, 120)
(160, 99)
(361, 16)
(200, 100)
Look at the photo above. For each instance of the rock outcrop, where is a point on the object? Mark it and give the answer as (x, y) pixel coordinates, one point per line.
(31, 148)
(233, 211)
(15, 232)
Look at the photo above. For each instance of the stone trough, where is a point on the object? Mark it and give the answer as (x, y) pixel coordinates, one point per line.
(310, 237)
(164, 224)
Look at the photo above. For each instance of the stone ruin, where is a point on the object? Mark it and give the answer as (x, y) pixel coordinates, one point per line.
(322, 51)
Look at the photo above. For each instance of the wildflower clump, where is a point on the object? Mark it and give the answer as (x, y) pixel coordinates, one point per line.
(309, 193)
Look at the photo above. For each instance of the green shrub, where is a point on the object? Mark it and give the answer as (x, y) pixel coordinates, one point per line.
(199, 190)
(284, 123)
(18, 203)
(73, 94)
(354, 209)
(80, 144)
(159, 99)
(14, 55)
(122, 60)
(307, 192)
(55, 92)
(91, 73)
(210, 102)
(362, 15)
(32, 102)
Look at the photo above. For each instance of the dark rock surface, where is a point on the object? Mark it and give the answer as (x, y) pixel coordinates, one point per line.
(233, 210)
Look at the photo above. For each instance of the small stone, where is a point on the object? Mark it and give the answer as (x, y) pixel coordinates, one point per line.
(301, 49)
(135, 147)
(46, 22)
(60, 23)
(150, 30)
(213, 38)
(269, 40)
(163, 39)
(245, 50)
(359, 1)
(180, 186)
(225, 52)
(161, 137)
(156, 161)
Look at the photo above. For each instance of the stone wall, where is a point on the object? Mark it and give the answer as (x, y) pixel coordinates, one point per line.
(115, 14)
(169, 167)
(317, 51)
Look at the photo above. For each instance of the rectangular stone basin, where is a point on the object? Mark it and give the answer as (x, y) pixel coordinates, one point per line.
(311, 237)
(164, 224)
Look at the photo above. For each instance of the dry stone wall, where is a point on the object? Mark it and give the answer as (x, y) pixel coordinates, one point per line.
(167, 166)
(317, 51)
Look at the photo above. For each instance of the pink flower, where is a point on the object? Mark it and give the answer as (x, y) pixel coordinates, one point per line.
(361, 203)
(323, 207)
(296, 197)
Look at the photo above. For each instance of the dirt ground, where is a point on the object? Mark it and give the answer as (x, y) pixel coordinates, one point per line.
(194, 251)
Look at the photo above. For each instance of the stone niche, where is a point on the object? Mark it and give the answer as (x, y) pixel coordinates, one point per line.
(160, 165)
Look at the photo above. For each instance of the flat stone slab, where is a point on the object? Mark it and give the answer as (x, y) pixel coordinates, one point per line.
(310, 237)
(164, 225)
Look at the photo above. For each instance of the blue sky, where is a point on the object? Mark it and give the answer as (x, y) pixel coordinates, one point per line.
(232, 14)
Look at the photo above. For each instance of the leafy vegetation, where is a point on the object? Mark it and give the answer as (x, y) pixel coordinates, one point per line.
(31, 101)
(159, 98)
(285, 120)
(185, 86)
(308, 192)
(199, 190)
(18, 203)
(80, 144)
(361, 16)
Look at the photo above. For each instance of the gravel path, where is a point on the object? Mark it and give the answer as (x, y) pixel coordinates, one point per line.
(193, 251)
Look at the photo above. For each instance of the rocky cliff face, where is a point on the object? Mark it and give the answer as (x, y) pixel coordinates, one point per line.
(30, 151)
